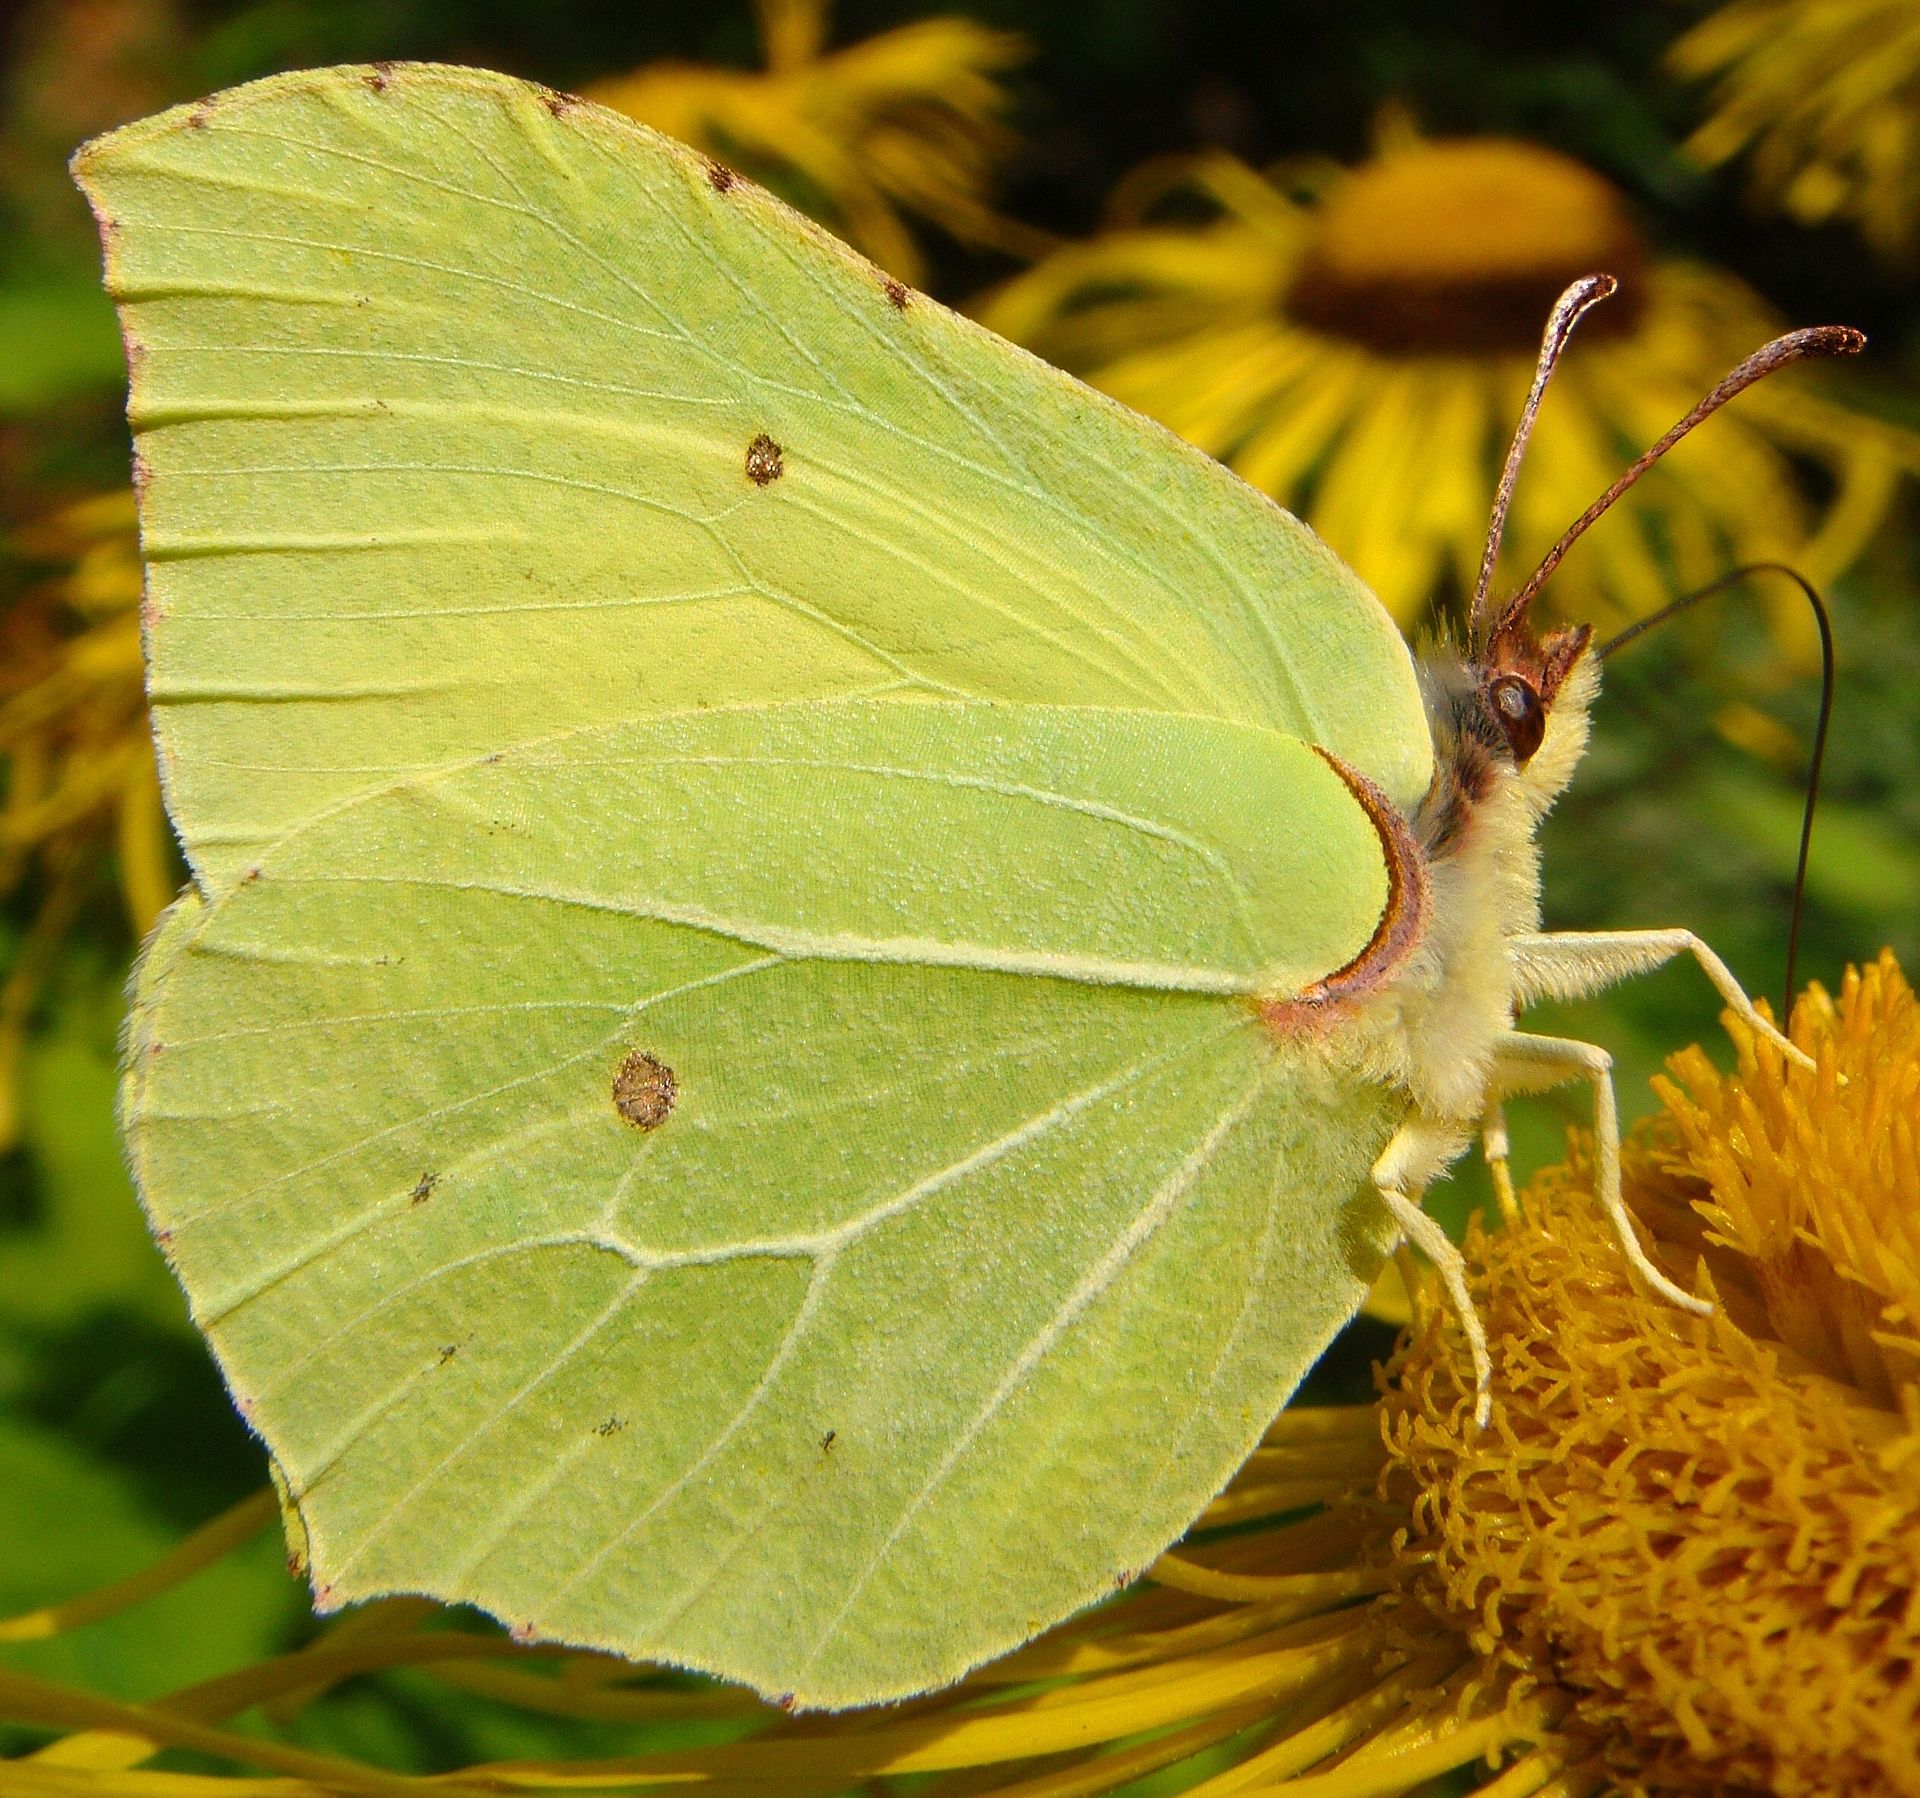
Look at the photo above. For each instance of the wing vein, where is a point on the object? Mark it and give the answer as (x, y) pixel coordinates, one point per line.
(1145, 1225)
(496, 1420)
(793, 944)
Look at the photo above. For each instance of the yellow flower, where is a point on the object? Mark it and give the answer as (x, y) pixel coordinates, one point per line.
(910, 121)
(78, 757)
(1823, 98)
(1358, 344)
(1707, 1528)
(1683, 1558)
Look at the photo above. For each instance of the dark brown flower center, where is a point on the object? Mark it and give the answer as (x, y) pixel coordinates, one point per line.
(1462, 248)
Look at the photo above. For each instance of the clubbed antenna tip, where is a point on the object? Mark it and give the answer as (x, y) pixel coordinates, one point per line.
(1588, 291)
(1795, 346)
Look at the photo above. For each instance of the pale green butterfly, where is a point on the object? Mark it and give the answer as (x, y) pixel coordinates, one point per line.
(819, 963)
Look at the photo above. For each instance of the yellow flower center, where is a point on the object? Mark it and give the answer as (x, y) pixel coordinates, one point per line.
(1462, 247)
(1705, 1529)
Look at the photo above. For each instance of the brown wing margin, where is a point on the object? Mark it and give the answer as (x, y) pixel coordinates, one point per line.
(1403, 921)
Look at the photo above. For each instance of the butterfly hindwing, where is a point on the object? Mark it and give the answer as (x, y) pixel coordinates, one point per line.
(803, 1193)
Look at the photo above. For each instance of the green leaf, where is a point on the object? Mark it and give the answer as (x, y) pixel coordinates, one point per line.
(60, 340)
(1862, 863)
(68, 1523)
(81, 1245)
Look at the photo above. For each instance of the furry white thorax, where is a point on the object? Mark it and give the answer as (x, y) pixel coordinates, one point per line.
(1433, 1028)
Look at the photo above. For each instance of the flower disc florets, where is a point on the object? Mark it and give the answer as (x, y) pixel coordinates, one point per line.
(1706, 1529)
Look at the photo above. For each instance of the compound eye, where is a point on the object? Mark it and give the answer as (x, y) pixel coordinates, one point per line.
(1522, 716)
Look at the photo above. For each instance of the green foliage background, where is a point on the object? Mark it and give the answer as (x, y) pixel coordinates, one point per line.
(115, 1436)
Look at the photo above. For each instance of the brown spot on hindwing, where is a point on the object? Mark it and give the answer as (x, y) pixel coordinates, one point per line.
(764, 464)
(644, 1090)
(1403, 920)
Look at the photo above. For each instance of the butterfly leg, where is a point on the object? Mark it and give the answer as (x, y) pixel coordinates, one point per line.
(1526, 1063)
(1415, 1153)
(1496, 1149)
(1570, 964)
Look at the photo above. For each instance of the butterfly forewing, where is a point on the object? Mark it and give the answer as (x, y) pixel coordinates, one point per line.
(467, 413)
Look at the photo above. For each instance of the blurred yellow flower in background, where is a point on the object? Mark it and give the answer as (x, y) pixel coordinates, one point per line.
(1823, 99)
(1683, 1558)
(908, 122)
(76, 756)
(1358, 344)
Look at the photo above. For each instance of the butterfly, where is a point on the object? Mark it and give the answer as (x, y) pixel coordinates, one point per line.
(818, 963)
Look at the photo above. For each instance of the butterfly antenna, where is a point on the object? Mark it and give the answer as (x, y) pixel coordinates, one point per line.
(1795, 346)
(1641, 626)
(1589, 290)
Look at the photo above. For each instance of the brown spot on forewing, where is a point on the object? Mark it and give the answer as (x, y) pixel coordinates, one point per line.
(721, 178)
(899, 294)
(1403, 920)
(765, 464)
(644, 1090)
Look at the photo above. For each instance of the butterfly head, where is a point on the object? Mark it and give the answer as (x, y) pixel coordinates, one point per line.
(1535, 693)
(1508, 711)
(1513, 707)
